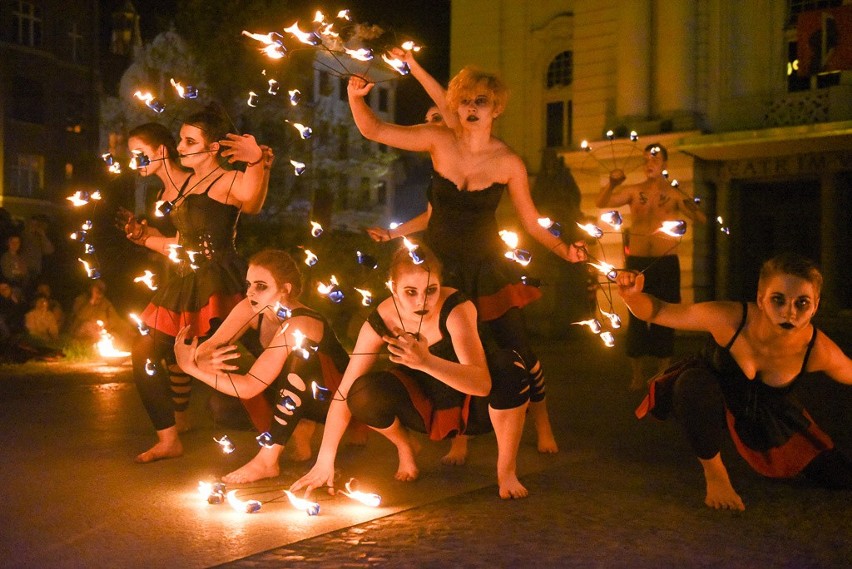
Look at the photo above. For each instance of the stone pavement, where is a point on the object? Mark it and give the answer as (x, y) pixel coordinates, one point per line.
(620, 493)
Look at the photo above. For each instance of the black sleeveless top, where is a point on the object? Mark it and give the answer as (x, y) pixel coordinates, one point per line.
(765, 416)
(441, 395)
(206, 226)
(466, 218)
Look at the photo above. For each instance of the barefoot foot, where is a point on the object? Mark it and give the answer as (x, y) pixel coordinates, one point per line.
(720, 493)
(407, 470)
(511, 488)
(458, 451)
(161, 450)
(544, 432)
(255, 469)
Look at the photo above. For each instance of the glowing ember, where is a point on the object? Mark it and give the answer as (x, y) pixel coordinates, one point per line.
(368, 499)
(311, 508)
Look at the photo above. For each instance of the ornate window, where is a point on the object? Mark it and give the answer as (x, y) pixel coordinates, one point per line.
(558, 119)
(26, 24)
(560, 72)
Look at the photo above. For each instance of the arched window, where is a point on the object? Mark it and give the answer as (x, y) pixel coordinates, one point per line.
(557, 99)
(560, 72)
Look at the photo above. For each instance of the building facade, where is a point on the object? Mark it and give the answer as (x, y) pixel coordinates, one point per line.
(49, 83)
(762, 136)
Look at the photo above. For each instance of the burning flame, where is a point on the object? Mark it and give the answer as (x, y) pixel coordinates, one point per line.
(585, 146)
(410, 46)
(608, 339)
(140, 325)
(309, 38)
(510, 238)
(614, 319)
(247, 506)
(105, 346)
(304, 131)
(592, 229)
(311, 508)
(310, 258)
(226, 444)
(673, 228)
(613, 218)
(298, 167)
(147, 279)
(368, 499)
(605, 269)
(316, 229)
(366, 297)
(362, 54)
(324, 289)
(399, 65)
(295, 96)
(91, 272)
(593, 324)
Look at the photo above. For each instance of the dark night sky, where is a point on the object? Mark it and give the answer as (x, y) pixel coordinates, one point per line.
(428, 21)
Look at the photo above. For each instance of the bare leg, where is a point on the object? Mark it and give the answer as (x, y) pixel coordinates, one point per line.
(637, 381)
(300, 440)
(720, 494)
(168, 446)
(544, 432)
(407, 449)
(458, 451)
(182, 421)
(508, 427)
(181, 387)
(263, 465)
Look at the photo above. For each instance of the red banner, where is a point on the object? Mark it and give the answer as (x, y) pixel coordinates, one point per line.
(824, 40)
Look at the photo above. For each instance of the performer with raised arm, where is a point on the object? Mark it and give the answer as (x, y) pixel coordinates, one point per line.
(472, 169)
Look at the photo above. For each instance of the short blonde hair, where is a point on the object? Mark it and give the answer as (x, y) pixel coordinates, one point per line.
(467, 81)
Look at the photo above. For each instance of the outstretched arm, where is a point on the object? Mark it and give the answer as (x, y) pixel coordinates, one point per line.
(413, 225)
(830, 359)
(718, 318)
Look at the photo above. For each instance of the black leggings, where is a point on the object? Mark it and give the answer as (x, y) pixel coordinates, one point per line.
(700, 409)
(510, 333)
(162, 387)
(293, 402)
(377, 399)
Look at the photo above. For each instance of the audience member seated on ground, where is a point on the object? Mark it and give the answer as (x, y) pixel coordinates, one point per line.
(43, 290)
(91, 308)
(13, 265)
(35, 245)
(41, 322)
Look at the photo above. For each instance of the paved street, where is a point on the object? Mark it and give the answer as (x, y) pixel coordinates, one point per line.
(621, 493)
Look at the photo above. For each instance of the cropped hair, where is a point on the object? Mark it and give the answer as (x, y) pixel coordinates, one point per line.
(212, 121)
(469, 80)
(283, 268)
(789, 263)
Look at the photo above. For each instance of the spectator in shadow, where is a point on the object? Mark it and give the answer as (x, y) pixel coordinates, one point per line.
(14, 266)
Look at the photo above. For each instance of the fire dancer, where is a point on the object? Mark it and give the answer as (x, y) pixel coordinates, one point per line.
(209, 274)
(747, 376)
(652, 203)
(472, 169)
(441, 384)
(287, 367)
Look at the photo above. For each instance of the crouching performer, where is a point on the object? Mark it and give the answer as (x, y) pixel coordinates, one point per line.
(440, 384)
(746, 378)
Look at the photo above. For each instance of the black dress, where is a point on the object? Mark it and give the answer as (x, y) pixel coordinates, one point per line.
(209, 277)
(463, 233)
